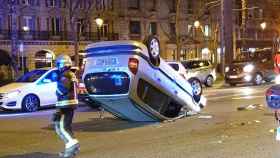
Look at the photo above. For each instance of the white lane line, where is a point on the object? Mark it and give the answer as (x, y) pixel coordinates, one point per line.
(248, 97)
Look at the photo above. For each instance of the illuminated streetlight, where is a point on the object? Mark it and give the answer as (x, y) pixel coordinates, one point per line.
(25, 28)
(263, 25)
(99, 23)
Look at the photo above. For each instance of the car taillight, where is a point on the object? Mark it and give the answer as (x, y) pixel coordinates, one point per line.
(81, 88)
(268, 92)
(133, 65)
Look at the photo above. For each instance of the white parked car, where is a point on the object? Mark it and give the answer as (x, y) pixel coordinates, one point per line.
(201, 69)
(132, 82)
(192, 79)
(29, 92)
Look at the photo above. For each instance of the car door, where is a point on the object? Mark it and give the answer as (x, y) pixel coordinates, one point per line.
(47, 88)
(199, 69)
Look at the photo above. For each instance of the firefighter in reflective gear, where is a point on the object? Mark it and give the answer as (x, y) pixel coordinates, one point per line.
(66, 104)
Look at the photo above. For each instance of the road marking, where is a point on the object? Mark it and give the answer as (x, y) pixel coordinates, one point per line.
(248, 97)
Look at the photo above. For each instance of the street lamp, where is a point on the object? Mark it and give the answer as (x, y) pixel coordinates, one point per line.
(263, 25)
(197, 24)
(99, 23)
(21, 48)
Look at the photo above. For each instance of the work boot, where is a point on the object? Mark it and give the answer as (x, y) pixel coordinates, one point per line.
(70, 152)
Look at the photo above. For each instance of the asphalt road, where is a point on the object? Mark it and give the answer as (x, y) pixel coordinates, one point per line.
(235, 124)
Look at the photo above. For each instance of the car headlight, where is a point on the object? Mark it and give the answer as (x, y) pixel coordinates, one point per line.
(248, 68)
(227, 69)
(12, 94)
(277, 79)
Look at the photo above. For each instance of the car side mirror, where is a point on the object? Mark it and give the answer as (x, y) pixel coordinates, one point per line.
(47, 80)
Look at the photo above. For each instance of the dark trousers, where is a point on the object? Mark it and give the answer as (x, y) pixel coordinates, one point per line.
(63, 124)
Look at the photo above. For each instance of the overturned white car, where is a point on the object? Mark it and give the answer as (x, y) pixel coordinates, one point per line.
(132, 82)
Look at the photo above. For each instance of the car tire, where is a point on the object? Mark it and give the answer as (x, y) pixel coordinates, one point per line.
(209, 81)
(197, 87)
(30, 103)
(268, 80)
(153, 46)
(258, 79)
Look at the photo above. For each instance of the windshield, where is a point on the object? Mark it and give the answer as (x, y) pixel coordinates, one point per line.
(31, 76)
(174, 66)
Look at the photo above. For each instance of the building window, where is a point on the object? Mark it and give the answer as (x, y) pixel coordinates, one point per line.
(206, 30)
(1, 24)
(28, 23)
(190, 7)
(153, 28)
(154, 5)
(55, 25)
(173, 6)
(133, 4)
(135, 27)
(26, 2)
(172, 29)
(52, 3)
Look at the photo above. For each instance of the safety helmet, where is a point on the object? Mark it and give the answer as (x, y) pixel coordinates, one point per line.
(63, 61)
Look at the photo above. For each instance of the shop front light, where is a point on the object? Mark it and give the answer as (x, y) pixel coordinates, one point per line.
(248, 68)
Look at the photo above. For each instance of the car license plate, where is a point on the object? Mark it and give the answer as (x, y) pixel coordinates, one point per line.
(232, 76)
(107, 62)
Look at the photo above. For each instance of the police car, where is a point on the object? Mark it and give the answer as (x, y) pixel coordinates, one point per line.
(131, 81)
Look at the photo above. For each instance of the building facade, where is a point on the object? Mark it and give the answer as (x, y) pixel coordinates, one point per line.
(256, 25)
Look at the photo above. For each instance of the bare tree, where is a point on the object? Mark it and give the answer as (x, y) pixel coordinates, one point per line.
(177, 24)
(76, 14)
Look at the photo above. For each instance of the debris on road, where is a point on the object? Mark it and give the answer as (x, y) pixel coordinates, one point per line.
(257, 121)
(272, 130)
(251, 107)
(205, 116)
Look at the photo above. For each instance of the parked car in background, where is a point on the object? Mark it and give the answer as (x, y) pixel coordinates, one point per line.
(251, 67)
(201, 69)
(30, 91)
(33, 90)
(193, 80)
(131, 81)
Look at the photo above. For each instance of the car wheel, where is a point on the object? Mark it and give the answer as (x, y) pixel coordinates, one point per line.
(268, 80)
(209, 81)
(258, 79)
(153, 46)
(196, 85)
(30, 103)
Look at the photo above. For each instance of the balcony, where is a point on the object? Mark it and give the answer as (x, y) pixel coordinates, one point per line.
(57, 36)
